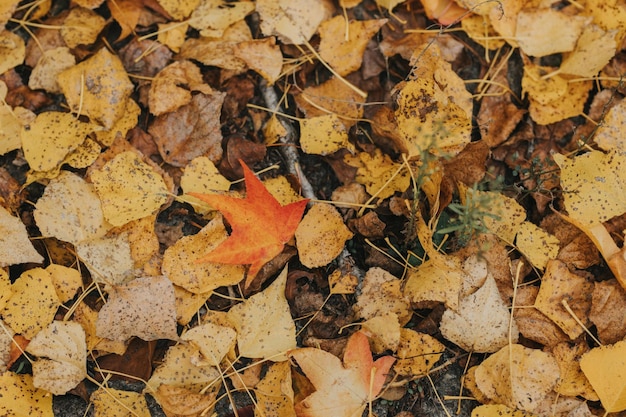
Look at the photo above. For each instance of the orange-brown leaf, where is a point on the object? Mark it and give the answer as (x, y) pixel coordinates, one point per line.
(260, 225)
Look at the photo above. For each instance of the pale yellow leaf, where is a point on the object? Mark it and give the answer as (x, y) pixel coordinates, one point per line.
(507, 214)
(438, 279)
(15, 246)
(66, 281)
(107, 258)
(293, 21)
(62, 353)
(383, 332)
(264, 325)
(12, 122)
(179, 9)
(280, 188)
(145, 307)
(87, 317)
(180, 266)
(594, 50)
(608, 134)
(517, 376)
(128, 188)
(122, 125)
(380, 294)
(33, 303)
(188, 304)
(12, 50)
(213, 342)
(108, 402)
(6, 337)
(20, 398)
(605, 367)
(70, 210)
(274, 392)
(212, 17)
(201, 176)
(97, 80)
(262, 56)
(51, 63)
(499, 410)
(323, 135)
(481, 322)
(573, 382)
(321, 235)
(172, 35)
(51, 137)
(534, 26)
(537, 245)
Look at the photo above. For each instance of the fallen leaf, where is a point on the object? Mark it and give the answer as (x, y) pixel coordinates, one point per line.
(534, 26)
(81, 27)
(212, 341)
(323, 135)
(381, 176)
(97, 80)
(532, 323)
(321, 235)
(87, 318)
(15, 246)
(62, 353)
(446, 12)
(341, 389)
(384, 332)
(107, 258)
(499, 410)
(122, 125)
(180, 266)
(32, 304)
(537, 245)
(481, 322)
(212, 17)
(342, 43)
(70, 210)
(66, 281)
(341, 283)
(417, 353)
(129, 189)
(171, 88)
(292, 21)
(572, 382)
(52, 63)
(608, 302)
(605, 367)
(113, 402)
(594, 50)
(507, 214)
(188, 304)
(274, 392)
(558, 284)
(51, 137)
(144, 308)
(262, 56)
(438, 279)
(12, 50)
(12, 121)
(380, 294)
(264, 325)
(179, 9)
(126, 13)
(517, 376)
(20, 398)
(5, 288)
(172, 35)
(260, 225)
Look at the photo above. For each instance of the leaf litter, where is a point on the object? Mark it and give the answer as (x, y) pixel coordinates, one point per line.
(377, 214)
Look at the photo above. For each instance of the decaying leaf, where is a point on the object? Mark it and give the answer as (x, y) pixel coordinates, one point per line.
(417, 353)
(20, 398)
(213, 341)
(113, 402)
(14, 243)
(62, 353)
(605, 367)
(537, 245)
(264, 325)
(260, 225)
(144, 308)
(517, 376)
(341, 389)
(323, 135)
(212, 17)
(381, 176)
(380, 294)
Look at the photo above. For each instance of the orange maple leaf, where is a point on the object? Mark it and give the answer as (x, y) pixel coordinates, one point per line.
(260, 225)
(341, 390)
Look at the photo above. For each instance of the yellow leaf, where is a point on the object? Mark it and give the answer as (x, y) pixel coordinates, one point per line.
(172, 35)
(111, 402)
(81, 27)
(573, 382)
(342, 43)
(188, 304)
(15, 245)
(122, 125)
(605, 367)
(438, 279)
(6, 333)
(332, 96)
(145, 307)
(321, 235)
(323, 135)
(608, 133)
(537, 245)
(179, 9)
(294, 21)
(262, 56)
(171, 88)
(33, 303)
(5, 288)
(201, 176)
(212, 17)
(97, 87)
(499, 410)
(213, 342)
(70, 210)
(87, 318)
(280, 188)
(417, 353)
(107, 258)
(66, 281)
(264, 325)
(594, 50)
(383, 331)
(517, 376)
(381, 176)
(380, 294)
(180, 266)
(51, 137)
(273, 130)
(19, 398)
(62, 353)
(591, 183)
(274, 392)
(12, 122)
(507, 213)
(12, 50)
(534, 26)
(481, 322)
(128, 188)
(52, 62)
(341, 283)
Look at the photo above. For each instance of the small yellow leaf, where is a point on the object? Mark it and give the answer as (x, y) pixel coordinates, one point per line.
(201, 176)
(33, 303)
(281, 189)
(122, 125)
(274, 392)
(62, 353)
(262, 56)
(417, 353)
(332, 96)
(52, 62)
(15, 245)
(605, 367)
(381, 176)
(438, 279)
(507, 213)
(20, 398)
(51, 137)
(321, 235)
(188, 304)
(213, 342)
(534, 26)
(66, 281)
(323, 135)
(342, 283)
(97, 87)
(264, 325)
(273, 130)
(12, 122)
(380, 294)
(112, 402)
(81, 27)
(294, 21)
(573, 382)
(128, 188)
(12, 50)
(383, 332)
(537, 245)
(212, 17)
(594, 50)
(87, 318)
